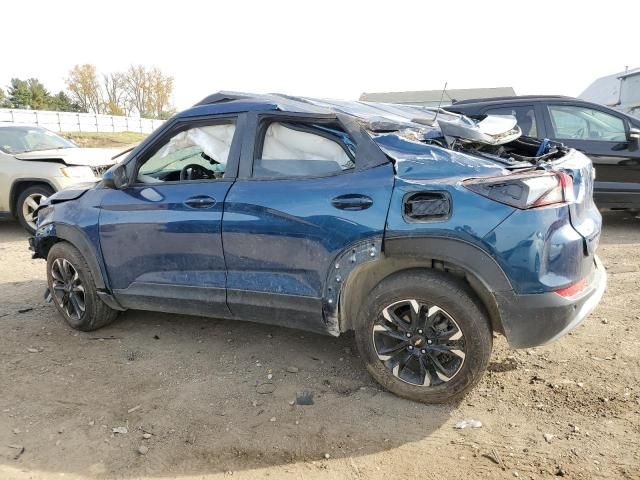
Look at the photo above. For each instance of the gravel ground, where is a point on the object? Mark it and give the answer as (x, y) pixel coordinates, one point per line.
(167, 396)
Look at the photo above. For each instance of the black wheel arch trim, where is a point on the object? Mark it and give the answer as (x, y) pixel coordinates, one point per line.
(483, 274)
(13, 196)
(456, 251)
(77, 238)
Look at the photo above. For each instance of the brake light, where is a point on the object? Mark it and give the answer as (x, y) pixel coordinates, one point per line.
(526, 190)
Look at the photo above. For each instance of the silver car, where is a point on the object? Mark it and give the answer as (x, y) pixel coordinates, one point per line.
(35, 162)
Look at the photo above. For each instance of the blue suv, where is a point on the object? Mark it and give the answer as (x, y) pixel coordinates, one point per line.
(421, 230)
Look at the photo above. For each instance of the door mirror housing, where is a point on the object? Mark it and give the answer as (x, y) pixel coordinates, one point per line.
(634, 138)
(115, 178)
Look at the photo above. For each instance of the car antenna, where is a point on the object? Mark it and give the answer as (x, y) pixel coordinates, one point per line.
(439, 104)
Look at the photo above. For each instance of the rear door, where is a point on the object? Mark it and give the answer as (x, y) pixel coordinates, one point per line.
(309, 190)
(161, 236)
(602, 136)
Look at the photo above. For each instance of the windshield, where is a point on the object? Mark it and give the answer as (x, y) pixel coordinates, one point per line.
(30, 139)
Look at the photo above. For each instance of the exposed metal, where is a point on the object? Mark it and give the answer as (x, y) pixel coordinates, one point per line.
(344, 264)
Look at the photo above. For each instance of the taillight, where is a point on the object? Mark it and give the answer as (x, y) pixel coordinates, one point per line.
(526, 190)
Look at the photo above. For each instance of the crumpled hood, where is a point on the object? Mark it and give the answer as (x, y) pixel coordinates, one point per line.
(92, 157)
(66, 194)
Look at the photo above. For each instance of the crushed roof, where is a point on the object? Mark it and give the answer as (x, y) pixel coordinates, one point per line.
(371, 113)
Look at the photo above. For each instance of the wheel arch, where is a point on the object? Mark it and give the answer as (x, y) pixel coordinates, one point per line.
(451, 256)
(19, 185)
(62, 232)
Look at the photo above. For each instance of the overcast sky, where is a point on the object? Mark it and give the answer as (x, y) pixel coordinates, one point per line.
(336, 49)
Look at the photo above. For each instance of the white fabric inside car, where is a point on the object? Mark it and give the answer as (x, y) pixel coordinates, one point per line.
(214, 140)
(283, 143)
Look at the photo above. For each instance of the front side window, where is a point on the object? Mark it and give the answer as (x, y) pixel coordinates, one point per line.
(525, 115)
(292, 149)
(581, 123)
(199, 153)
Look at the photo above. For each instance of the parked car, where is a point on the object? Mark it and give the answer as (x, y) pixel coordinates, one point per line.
(609, 137)
(424, 235)
(35, 163)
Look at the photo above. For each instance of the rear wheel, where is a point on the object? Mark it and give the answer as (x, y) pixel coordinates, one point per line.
(424, 336)
(28, 202)
(73, 290)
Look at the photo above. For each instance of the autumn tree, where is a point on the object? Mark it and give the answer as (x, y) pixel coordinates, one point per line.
(160, 90)
(84, 87)
(149, 91)
(116, 101)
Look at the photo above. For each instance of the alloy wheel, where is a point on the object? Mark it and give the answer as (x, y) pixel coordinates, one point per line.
(29, 207)
(420, 343)
(67, 288)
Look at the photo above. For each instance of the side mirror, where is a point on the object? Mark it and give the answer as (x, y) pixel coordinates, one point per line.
(634, 138)
(115, 178)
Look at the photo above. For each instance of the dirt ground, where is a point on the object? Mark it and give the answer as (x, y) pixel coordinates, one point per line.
(192, 386)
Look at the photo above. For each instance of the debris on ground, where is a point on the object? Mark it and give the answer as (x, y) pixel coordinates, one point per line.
(304, 397)
(265, 388)
(468, 424)
(19, 450)
(548, 437)
(120, 430)
(143, 450)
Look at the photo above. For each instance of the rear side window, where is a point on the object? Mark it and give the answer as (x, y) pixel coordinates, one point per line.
(525, 115)
(581, 123)
(293, 149)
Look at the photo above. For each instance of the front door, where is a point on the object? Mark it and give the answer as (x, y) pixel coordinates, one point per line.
(304, 196)
(161, 236)
(604, 138)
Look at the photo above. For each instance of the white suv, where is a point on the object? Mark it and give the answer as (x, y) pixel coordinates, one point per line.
(35, 162)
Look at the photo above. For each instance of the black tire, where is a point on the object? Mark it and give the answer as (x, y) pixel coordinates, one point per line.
(95, 313)
(467, 352)
(22, 207)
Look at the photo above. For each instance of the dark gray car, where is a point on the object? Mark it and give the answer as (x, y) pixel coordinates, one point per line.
(609, 137)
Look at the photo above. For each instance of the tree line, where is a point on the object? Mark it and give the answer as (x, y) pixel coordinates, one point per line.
(138, 90)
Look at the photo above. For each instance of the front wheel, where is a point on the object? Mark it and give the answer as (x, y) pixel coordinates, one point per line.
(73, 289)
(424, 336)
(27, 204)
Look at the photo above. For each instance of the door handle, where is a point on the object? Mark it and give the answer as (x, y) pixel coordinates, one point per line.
(352, 201)
(200, 201)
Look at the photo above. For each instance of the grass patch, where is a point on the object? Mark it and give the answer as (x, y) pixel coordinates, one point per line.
(104, 139)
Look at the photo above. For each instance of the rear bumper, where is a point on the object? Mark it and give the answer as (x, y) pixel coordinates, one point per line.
(536, 319)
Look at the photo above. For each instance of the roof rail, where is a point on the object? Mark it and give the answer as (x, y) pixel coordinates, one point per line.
(502, 99)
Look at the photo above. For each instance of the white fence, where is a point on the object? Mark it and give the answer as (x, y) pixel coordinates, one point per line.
(78, 122)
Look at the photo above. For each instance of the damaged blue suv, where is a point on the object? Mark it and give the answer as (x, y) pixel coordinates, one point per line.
(421, 230)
